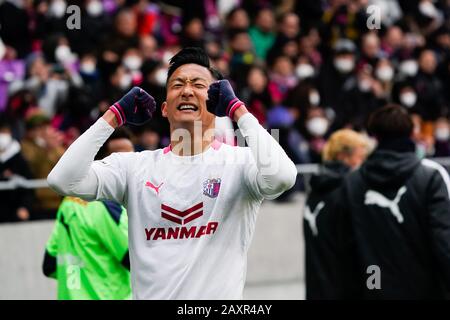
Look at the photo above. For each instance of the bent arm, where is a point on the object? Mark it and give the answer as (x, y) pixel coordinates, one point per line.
(73, 174)
(276, 172)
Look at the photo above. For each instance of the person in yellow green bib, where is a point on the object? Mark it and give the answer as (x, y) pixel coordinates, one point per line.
(87, 252)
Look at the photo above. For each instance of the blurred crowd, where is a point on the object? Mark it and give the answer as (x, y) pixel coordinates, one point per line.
(305, 67)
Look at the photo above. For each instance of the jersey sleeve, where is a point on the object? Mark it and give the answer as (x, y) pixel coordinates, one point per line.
(268, 171)
(111, 175)
(73, 174)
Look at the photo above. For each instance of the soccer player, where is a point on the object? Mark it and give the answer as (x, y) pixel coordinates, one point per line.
(193, 205)
(87, 252)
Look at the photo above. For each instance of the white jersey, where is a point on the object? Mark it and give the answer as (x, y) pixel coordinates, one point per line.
(191, 218)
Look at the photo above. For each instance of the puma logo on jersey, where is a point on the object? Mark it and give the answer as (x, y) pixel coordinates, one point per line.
(374, 197)
(151, 185)
(311, 217)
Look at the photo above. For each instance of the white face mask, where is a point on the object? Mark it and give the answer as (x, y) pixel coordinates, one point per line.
(409, 68)
(344, 65)
(364, 85)
(442, 134)
(317, 126)
(408, 99)
(94, 8)
(40, 142)
(63, 53)
(132, 63)
(304, 71)
(125, 82)
(428, 9)
(161, 77)
(385, 74)
(58, 8)
(5, 141)
(87, 67)
(314, 98)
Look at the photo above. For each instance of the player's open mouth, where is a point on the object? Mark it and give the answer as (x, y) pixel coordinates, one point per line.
(187, 107)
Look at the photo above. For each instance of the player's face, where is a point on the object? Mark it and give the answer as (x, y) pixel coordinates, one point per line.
(187, 92)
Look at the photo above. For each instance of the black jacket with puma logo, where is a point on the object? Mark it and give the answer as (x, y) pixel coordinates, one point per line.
(398, 210)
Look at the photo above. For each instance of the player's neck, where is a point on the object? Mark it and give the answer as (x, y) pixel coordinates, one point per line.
(191, 139)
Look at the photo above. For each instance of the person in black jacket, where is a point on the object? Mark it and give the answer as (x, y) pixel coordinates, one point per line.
(398, 208)
(344, 151)
(16, 203)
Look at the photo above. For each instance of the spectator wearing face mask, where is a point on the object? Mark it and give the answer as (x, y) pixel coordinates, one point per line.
(325, 271)
(442, 138)
(336, 71)
(314, 127)
(408, 68)
(362, 95)
(404, 94)
(132, 61)
(90, 74)
(305, 70)
(384, 73)
(16, 203)
(42, 148)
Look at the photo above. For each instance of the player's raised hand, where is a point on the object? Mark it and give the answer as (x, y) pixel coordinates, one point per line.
(136, 107)
(222, 100)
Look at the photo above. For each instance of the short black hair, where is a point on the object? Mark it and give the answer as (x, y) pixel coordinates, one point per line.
(194, 55)
(119, 133)
(390, 122)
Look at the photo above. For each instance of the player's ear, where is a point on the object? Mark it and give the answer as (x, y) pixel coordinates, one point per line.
(164, 109)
